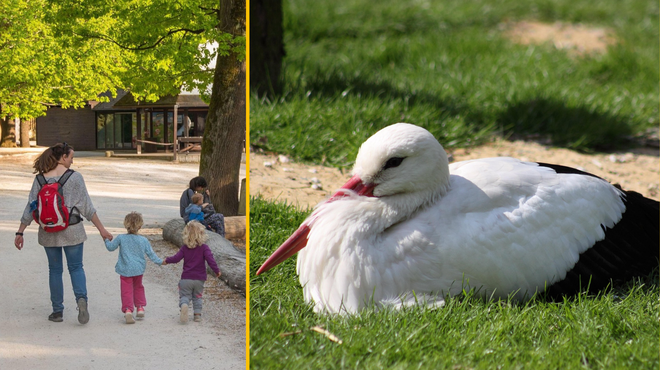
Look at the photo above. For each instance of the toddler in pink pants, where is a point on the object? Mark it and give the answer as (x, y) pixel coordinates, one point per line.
(131, 265)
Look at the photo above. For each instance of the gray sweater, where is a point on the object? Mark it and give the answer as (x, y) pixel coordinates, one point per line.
(75, 195)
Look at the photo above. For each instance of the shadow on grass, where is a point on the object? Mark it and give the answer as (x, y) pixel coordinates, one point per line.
(334, 85)
(574, 127)
(579, 128)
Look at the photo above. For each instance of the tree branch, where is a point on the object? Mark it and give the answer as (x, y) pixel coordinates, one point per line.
(211, 11)
(141, 46)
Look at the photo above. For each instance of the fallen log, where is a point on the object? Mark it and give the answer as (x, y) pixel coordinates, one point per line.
(230, 260)
(235, 227)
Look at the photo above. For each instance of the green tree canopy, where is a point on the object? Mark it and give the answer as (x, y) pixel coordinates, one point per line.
(67, 52)
(39, 67)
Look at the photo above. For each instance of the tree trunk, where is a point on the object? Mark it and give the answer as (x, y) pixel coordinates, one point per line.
(230, 260)
(8, 131)
(266, 47)
(224, 134)
(25, 133)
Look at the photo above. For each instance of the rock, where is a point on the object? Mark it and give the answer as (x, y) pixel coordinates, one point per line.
(230, 260)
(628, 157)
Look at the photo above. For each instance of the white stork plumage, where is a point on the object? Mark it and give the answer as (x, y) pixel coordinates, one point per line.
(409, 227)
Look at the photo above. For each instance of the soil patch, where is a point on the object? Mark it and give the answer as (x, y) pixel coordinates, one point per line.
(576, 39)
(277, 178)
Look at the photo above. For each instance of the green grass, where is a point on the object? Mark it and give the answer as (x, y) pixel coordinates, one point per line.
(353, 67)
(610, 331)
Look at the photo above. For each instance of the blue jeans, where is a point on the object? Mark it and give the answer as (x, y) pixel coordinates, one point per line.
(74, 261)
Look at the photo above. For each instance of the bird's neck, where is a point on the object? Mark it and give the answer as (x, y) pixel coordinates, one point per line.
(358, 218)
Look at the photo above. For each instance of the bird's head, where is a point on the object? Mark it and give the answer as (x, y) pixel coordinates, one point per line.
(401, 160)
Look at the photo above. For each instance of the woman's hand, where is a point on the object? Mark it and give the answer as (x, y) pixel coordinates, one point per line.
(105, 234)
(18, 242)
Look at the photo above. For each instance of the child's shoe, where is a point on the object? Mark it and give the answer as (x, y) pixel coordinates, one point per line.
(140, 312)
(129, 317)
(183, 316)
(197, 317)
(83, 314)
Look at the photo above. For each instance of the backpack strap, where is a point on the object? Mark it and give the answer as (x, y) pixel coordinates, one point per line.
(65, 177)
(41, 180)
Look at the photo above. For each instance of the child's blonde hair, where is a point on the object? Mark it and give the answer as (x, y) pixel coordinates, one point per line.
(194, 234)
(197, 198)
(133, 222)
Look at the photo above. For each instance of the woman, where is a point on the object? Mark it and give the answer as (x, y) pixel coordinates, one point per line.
(52, 164)
(214, 221)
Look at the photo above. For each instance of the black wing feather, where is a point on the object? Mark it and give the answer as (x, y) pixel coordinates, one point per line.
(630, 248)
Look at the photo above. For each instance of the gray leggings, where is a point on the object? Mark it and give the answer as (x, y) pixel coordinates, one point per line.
(191, 290)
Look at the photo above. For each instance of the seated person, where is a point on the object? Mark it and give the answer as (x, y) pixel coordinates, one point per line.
(213, 220)
(194, 210)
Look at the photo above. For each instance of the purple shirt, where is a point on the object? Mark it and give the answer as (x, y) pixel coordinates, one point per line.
(194, 267)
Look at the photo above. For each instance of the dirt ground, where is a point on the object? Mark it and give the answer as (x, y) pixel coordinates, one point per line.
(276, 177)
(216, 293)
(575, 39)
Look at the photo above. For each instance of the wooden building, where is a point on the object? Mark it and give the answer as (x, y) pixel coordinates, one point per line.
(124, 124)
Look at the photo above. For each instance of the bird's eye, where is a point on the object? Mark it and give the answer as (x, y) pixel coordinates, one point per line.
(393, 162)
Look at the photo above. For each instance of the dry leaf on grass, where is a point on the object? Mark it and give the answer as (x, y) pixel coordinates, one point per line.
(329, 335)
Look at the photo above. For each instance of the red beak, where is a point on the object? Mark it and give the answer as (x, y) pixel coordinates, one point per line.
(298, 240)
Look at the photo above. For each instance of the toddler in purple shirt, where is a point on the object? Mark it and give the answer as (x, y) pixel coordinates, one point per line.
(195, 255)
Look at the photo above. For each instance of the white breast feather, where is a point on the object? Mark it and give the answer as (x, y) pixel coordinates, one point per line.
(504, 226)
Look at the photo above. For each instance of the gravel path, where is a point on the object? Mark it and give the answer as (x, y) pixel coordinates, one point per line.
(117, 186)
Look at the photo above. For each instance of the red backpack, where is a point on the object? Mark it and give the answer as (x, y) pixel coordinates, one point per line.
(51, 212)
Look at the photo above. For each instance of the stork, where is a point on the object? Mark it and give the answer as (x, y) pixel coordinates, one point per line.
(409, 227)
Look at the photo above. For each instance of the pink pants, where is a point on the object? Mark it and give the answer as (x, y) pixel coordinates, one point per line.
(132, 293)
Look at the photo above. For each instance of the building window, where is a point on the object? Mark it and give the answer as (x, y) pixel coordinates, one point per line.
(116, 130)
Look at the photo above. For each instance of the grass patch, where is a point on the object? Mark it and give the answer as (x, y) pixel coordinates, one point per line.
(357, 66)
(611, 331)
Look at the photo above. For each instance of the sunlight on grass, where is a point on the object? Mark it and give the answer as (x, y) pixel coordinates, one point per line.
(613, 330)
(447, 66)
